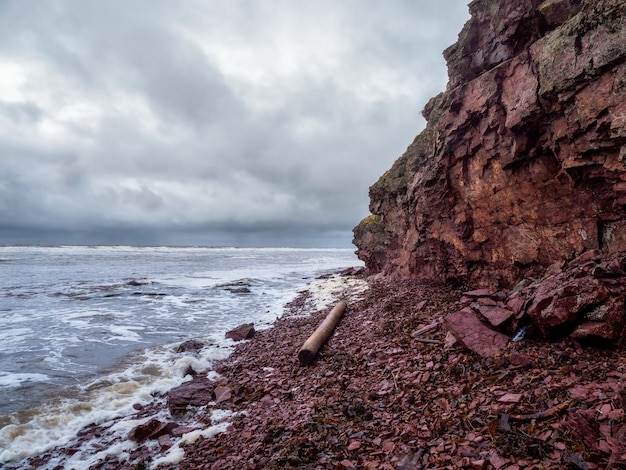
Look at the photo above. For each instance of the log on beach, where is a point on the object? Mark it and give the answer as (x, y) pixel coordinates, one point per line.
(316, 341)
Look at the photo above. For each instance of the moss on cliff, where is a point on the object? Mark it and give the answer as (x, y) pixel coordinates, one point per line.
(373, 226)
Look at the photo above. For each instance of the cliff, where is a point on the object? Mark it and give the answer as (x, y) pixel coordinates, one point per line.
(521, 164)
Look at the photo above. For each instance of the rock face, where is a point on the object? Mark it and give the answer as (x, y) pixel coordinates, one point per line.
(522, 163)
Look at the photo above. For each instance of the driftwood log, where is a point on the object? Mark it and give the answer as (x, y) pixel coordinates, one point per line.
(311, 346)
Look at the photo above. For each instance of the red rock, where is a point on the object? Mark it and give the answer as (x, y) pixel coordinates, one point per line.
(474, 334)
(143, 431)
(516, 303)
(556, 12)
(520, 360)
(560, 302)
(510, 398)
(354, 445)
(222, 394)
(494, 314)
(497, 461)
(478, 464)
(245, 331)
(488, 301)
(585, 257)
(478, 293)
(180, 430)
(165, 442)
(520, 165)
(593, 329)
(196, 392)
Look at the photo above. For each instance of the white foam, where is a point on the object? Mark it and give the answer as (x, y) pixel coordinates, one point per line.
(175, 454)
(109, 399)
(8, 379)
(125, 333)
(326, 292)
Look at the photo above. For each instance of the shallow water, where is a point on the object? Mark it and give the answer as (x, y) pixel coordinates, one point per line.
(86, 332)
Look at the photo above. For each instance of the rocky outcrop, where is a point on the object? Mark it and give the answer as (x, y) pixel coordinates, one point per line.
(584, 299)
(521, 164)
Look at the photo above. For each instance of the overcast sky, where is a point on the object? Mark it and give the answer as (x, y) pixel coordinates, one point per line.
(209, 122)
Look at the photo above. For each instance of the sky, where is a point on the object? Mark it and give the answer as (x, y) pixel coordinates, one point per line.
(209, 122)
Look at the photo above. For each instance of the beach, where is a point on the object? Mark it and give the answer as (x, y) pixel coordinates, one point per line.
(382, 394)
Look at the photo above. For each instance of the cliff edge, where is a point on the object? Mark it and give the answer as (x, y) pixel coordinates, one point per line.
(522, 162)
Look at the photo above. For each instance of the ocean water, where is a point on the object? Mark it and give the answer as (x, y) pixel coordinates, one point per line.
(87, 332)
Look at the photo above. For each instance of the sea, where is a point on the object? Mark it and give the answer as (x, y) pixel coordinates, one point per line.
(89, 333)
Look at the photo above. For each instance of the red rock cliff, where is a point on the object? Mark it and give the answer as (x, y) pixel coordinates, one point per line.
(522, 162)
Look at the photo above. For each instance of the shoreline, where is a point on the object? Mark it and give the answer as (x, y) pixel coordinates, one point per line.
(383, 395)
(95, 440)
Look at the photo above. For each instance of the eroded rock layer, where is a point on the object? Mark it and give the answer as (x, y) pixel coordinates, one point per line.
(522, 160)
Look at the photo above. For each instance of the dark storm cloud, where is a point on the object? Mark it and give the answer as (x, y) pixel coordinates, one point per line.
(204, 121)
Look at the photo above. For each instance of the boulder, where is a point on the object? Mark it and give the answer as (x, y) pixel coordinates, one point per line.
(146, 430)
(245, 331)
(196, 392)
(191, 345)
(474, 334)
(583, 299)
(152, 429)
(559, 302)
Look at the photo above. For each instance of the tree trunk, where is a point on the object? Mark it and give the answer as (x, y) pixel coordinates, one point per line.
(317, 340)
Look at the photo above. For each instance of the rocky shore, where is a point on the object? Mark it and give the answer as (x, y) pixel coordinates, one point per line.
(392, 389)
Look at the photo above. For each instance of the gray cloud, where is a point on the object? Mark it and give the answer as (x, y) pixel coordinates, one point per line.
(208, 122)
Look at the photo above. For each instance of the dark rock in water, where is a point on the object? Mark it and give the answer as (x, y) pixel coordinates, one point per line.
(190, 371)
(238, 290)
(352, 271)
(192, 345)
(245, 331)
(241, 286)
(196, 392)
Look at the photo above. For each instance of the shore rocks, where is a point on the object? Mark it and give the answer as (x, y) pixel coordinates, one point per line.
(152, 429)
(196, 392)
(192, 345)
(245, 331)
(521, 164)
